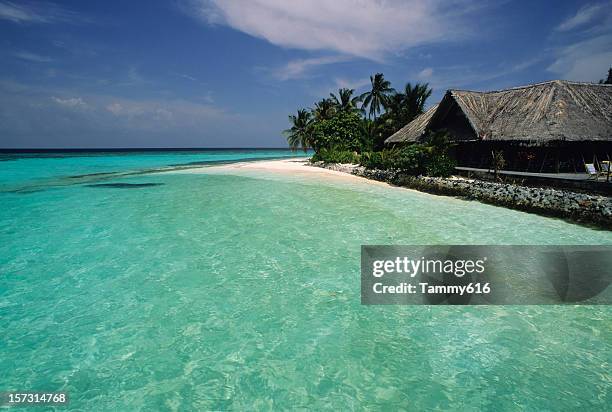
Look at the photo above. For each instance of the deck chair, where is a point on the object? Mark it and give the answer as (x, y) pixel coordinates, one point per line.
(605, 168)
(591, 171)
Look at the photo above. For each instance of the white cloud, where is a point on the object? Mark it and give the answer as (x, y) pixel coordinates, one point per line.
(140, 109)
(35, 116)
(31, 57)
(584, 15)
(208, 97)
(72, 102)
(155, 113)
(472, 76)
(15, 13)
(426, 73)
(36, 13)
(115, 108)
(588, 60)
(363, 28)
(186, 76)
(134, 75)
(296, 69)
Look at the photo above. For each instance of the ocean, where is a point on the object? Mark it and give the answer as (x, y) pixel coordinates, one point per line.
(130, 282)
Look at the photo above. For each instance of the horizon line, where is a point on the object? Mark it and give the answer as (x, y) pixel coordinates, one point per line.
(117, 149)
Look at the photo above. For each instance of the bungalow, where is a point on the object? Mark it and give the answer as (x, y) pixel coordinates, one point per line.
(553, 126)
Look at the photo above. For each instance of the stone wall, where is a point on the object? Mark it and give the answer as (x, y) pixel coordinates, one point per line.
(580, 207)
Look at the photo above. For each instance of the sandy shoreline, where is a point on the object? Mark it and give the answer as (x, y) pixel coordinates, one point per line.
(293, 166)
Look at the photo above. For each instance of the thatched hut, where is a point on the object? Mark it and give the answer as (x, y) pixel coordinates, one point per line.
(551, 126)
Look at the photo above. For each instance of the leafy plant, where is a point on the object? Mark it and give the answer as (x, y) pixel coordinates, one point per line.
(415, 98)
(402, 108)
(336, 125)
(345, 102)
(498, 162)
(408, 159)
(440, 165)
(343, 129)
(324, 109)
(438, 142)
(431, 158)
(336, 155)
(374, 160)
(369, 134)
(300, 133)
(438, 161)
(378, 96)
(609, 79)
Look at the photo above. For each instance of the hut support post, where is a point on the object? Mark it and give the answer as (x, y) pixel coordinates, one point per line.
(543, 160)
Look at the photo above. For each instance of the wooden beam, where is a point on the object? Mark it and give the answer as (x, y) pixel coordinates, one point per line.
(544, 160)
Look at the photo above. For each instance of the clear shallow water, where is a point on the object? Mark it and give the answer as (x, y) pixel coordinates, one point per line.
(241, 291)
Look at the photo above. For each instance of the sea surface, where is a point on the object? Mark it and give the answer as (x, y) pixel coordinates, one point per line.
(132, 283)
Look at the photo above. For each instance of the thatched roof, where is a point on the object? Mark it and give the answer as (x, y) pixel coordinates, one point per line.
(551, 111)
(413, 131)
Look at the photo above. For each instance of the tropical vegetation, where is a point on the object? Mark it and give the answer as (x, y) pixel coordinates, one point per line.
(608, 80)
(350, 128)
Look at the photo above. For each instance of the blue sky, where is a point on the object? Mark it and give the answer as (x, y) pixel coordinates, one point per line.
(214, 73)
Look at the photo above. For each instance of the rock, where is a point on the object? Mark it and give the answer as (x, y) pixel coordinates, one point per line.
(592, 209)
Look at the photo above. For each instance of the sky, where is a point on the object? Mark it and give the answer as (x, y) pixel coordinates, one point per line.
(223, 73)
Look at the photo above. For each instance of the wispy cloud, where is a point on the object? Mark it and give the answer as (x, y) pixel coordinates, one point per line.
(27, 12)
(342, 83)
(32, 109)
(186, 76)
(363, 28)
(584, 15)
(299, 68)
(34, 116)
(72, 102)
(588, 54)
(472, 76)
(325, 88)
(155, 113)
(138, 109)
(135, 76)
(426, 73)
(132, 77)
(587, 60)
(32, 57)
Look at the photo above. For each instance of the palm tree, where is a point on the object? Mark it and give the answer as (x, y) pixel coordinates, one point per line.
(379, 95)
(369, 133)
(324, 109)
(415, 98)
(345, 102)
(300, 133)
(395, 104)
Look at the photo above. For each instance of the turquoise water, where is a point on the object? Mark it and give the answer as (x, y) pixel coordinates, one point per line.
(240, 290)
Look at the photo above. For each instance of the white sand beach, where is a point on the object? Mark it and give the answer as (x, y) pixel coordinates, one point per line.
(293, 166)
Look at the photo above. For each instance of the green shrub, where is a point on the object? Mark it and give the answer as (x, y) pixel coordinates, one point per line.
(408, 159)
(440, 165)
(414, 160)
(335, 155)
(343, 129)
(372, 160)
